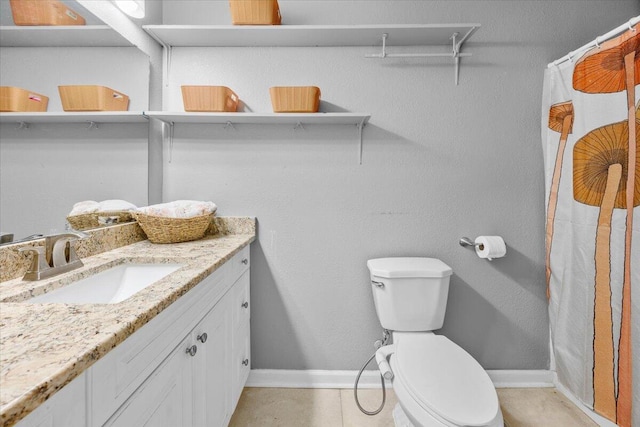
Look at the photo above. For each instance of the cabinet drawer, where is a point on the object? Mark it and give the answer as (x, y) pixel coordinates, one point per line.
(127, 366)
(239, 263)
(241, 361)
(241, 301)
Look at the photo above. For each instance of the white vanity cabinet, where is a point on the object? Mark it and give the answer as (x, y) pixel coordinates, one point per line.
(199, 382)
(186, 367)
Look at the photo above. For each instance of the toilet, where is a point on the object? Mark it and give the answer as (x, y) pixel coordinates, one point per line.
(437, 383)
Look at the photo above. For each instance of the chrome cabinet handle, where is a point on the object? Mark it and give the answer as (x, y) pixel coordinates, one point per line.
(378, 284)
(191, 351)
(202, 337)
(245, 261)
(245, 304)
(245, 362)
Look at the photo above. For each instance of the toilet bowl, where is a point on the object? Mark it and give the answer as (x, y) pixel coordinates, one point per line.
(437, 383)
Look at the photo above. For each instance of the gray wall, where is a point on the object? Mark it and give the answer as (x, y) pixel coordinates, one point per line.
(440, 162)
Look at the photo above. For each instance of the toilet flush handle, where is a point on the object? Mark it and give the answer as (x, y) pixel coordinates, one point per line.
(378, 284)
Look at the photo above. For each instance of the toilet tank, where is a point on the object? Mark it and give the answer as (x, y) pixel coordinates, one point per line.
(410, 294)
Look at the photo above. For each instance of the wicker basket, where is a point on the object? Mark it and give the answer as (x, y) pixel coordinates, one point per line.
(15, 99)
(255, 12)
(173, 230)
(209, 98)
(92, 98)
(96, 219)
(295, 99)
(43, 12)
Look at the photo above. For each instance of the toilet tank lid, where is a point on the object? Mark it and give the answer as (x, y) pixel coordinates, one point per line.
(408, 267)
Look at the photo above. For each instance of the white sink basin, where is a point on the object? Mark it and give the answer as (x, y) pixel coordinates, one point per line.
(110, 286)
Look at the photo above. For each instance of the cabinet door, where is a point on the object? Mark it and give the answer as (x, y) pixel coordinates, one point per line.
(241, 362)
(241, 348)
(165, 398)
(212, 371)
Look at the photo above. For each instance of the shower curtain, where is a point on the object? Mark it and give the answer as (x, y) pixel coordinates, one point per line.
(590, 137)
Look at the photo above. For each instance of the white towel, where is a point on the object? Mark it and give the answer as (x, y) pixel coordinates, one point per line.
(180, 209)
(116, 205)
(84, 207)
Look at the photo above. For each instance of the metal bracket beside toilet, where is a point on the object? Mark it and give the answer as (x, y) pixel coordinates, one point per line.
(465, 241)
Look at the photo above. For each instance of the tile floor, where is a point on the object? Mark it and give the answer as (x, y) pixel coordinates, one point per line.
(287, 407)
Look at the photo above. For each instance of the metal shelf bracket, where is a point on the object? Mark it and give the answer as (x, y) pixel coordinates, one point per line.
(360, 127)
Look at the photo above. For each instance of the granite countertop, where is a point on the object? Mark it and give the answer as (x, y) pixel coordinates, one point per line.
(43, 347)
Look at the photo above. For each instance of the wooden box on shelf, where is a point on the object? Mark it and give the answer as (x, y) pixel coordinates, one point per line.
(92, 98)
(209, 99)
(43, 12)
(15, 99)
(295, 99)
(255, 12)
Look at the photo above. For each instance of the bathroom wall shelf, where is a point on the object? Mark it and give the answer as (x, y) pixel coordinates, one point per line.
(384, 35)
(24, 119)
(292, 119)
(306, 35)
(262, 118)
(61, 36)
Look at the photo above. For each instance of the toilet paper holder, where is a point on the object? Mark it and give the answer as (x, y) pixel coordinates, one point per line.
(479, 247)
(465, 241)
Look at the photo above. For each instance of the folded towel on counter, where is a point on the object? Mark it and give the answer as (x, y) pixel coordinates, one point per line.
(116, 205)
(85, 207)
(90, 206)
(180, 209)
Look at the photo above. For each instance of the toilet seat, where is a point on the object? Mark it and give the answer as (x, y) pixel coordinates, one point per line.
(444, 379)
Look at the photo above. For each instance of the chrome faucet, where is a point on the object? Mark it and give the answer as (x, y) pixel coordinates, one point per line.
(56, 257)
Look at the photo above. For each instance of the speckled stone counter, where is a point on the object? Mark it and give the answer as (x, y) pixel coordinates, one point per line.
(14, 263)
(45, 346)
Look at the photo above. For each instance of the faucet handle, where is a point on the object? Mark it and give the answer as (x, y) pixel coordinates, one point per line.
(38, 262)
(56, 248)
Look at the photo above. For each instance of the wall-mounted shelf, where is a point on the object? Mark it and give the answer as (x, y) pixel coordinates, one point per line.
(24, 119)
(305, 35)
(61, 36)
(262, 118)
(292, 119)
(454, 35)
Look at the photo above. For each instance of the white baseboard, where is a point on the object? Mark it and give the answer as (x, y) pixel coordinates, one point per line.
(284, 378)
(601, 421)
(534, 378)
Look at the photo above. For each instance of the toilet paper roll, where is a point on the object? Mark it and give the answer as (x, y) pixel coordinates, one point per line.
(490, 247)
